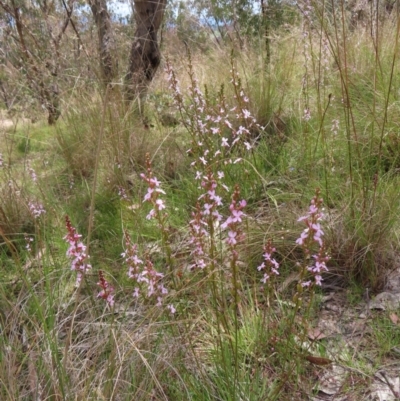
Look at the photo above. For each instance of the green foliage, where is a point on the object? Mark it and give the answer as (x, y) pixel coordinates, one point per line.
(190, 30)
(386, 333)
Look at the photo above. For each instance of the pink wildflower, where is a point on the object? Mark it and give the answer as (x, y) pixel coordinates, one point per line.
(307, 115)
(153, 192)
(236, 213)
(225, 142)
(269, 262)
(36, 209)
(207, 208)
(76, 252)
(231, 240)
(171, 308)
(160, 204)
(203, 160)
(235, 233)
(312, 236)
(246, 113)
(148, 280)
(28, 241)
(151, 214)
(122, 193)
(32, 173)
(211, 199)
(106, 289)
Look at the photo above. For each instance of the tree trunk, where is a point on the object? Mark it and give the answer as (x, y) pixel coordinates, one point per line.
(108, 61)
(266, 22)
(53, 104)
(145, 54)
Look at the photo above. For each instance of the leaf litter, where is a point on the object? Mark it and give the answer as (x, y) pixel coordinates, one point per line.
(345, 333)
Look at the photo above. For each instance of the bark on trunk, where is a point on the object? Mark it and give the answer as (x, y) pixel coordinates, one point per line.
(266, 23)
(53, 104)
(108, 61)
(145, 54)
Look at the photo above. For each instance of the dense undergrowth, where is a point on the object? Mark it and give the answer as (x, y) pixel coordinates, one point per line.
(207, 259)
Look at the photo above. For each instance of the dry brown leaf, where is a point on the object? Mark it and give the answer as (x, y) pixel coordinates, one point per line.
(317, 360)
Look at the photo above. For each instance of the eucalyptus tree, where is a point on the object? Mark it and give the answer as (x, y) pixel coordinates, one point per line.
(33, 31)
(229, 17)
(106, 43)
(145, 56)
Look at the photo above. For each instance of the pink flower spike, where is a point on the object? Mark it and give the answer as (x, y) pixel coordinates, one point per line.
(78, 279)
(269, 262)
(107, 290)
(36, 209)
(148, 280)
(312, 237)
(76, 251)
